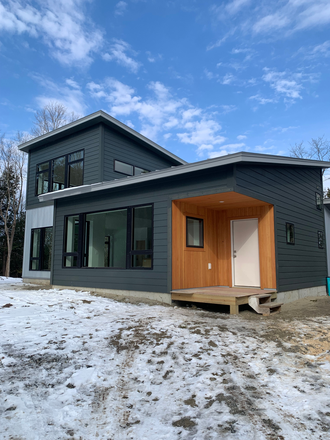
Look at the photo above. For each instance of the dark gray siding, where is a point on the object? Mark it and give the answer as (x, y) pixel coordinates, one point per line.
(89, 140)
(292, 191)
(161, 195)
(117, 146)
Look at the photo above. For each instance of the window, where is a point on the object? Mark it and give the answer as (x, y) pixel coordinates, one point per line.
(62, 172)
(42, 181)
(71, 242)
(194, 232)
(290, 233)
(129, 170)
(120, 238)
(318, 200)
(320, 239)
(141, 253)
(41, 249)
(105, 239)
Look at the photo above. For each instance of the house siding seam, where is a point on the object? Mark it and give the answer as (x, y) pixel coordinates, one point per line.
(158, 279)
(117, 146)
(292, 192)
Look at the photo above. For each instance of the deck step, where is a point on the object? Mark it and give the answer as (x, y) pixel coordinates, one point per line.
(263, 305)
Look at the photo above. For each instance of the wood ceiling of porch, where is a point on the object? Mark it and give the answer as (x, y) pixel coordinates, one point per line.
(224, 201)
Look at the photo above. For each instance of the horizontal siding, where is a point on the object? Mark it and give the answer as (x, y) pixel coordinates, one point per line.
(157, 279)
(292, 191)
(87, 140)
(117, 146)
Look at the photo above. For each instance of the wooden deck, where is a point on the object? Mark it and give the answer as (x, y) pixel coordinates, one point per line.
(231, 296)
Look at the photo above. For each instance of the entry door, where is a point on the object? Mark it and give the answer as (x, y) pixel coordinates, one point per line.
(245, 253)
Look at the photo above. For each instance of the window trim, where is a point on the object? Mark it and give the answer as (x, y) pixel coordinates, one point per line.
(126, 163)
(286, 233)
(129, 251)
(189, 246)
(40, 259)
(66, 171)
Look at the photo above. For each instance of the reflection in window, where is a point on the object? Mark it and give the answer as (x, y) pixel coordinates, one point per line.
(318, 200)
(41, 249)
(42, 178)
(320, 239)
(129, 170)
(105, 239)
(75, 168)
(290, 233)
(71, 241)
(58, 176)
(194, 232)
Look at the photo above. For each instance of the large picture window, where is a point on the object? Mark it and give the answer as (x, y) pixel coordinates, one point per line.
(41, 249)
(62, 172)
(120, 238)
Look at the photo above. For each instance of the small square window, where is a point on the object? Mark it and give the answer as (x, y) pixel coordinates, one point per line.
(290, 233)
(318, 200)
(195, 232)
(320, 239)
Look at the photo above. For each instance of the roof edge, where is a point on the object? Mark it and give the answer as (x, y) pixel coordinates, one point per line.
(33, 143)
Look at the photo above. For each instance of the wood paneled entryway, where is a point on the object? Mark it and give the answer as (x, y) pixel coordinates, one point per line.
(211, 265)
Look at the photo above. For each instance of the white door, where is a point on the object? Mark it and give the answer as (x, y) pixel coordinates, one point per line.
(245, 253)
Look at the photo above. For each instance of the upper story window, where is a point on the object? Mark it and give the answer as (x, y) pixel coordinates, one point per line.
(129, 170)
(318, 200)
(62, 172)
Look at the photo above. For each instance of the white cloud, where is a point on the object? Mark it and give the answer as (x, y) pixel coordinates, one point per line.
(241, 137)
(160, 112)
(69, 94)
(203, 148)
(228, 108)
(227, 79)
(117, 52)
(70, 36)
(226, 149)
(262, 100)
(120, 8)
(283, 83)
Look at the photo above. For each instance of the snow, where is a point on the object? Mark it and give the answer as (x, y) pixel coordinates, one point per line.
(78, 366)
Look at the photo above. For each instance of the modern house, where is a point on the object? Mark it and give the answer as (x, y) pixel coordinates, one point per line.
(112, 211)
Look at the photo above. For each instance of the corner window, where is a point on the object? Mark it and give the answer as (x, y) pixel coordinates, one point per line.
(194, 232)
(320, 239)
(119, 239)
(318, 200)
(41, 249)
(290, 237)
(62, 172)
(129, 170)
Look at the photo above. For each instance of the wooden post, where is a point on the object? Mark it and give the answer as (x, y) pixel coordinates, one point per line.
(234, 310)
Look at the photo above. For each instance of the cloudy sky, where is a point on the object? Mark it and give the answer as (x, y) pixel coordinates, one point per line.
(201, 78)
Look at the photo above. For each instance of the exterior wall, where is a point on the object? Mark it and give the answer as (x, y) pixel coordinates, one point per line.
(159, 279)
(117, 146)
(35, 218)
(292, 192)
(327, 233)
(89, 140)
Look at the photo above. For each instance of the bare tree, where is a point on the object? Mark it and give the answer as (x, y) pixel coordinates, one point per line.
(12, 171)
(319, 149)
(53, 115)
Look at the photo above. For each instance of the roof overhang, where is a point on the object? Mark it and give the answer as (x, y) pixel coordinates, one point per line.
(236, 158)
(94, 119)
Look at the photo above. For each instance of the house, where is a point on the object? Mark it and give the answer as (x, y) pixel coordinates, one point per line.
(112, 211)
(326, 203)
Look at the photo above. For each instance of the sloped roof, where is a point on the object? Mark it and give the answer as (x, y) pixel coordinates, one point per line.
(242, 157)
(93, 119)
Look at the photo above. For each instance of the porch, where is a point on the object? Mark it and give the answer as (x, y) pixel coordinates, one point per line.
(223, 239)
(222, 295)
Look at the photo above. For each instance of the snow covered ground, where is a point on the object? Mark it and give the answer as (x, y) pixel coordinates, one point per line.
(76, 366)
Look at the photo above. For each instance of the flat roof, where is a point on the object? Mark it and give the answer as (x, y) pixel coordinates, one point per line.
(242, 157)
(93, 119)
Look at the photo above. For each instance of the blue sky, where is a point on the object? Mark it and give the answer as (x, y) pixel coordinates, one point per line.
(201, 78)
